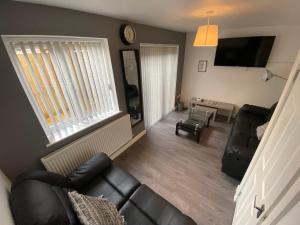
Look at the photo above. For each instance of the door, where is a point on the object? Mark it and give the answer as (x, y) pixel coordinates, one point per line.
(281, 156)
(159, 75)
(274, 182)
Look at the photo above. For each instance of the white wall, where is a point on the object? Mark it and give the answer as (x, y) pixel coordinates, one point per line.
(5, 213)
(292, 217)
(239, 85)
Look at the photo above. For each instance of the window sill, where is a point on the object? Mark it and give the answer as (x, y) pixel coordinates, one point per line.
(73, 135)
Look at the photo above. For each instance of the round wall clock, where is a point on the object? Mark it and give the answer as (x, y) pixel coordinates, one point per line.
(127, 34)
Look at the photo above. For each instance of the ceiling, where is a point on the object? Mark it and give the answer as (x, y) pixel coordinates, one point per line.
(186, 15)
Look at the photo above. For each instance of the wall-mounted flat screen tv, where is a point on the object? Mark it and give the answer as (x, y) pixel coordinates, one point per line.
(244, 51)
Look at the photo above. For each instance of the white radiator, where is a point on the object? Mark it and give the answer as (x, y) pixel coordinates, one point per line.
(107, 139)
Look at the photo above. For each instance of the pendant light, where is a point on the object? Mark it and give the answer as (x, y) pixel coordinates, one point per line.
(207, 35)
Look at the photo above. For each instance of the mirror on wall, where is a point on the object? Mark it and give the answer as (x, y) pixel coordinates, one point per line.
(132, 84)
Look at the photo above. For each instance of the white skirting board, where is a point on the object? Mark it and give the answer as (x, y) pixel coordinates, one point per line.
(126, 146)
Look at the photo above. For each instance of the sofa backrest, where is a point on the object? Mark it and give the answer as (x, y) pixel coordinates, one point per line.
(5, 212)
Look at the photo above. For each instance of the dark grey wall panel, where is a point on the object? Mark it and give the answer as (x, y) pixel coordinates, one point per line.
(23, 141)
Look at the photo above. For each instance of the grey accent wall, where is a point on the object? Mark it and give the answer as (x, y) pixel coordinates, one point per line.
(22, 140)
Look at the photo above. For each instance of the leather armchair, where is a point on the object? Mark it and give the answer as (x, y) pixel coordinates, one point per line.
(41, 198)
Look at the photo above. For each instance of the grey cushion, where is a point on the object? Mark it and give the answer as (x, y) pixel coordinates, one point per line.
(95, 210)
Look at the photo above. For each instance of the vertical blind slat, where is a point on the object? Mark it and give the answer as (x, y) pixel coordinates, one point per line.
(159, 73)
(90, 77)
(58, 71)
(69, 83)
(81, 87)
(74, 80)
(63, 59)
(102, 80)
(95, 78)
(108, 68)
(85, 78)
(28, 91)
(45, 83)
(36, 84)
(53, 82)
(101, 62)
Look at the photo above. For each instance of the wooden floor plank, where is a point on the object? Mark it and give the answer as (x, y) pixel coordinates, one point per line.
(185, 173)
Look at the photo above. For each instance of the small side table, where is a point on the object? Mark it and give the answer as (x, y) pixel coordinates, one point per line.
(193, 127)
(228, 107)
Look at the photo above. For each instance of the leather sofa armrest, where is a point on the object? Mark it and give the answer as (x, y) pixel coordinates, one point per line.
(241, 153)
(43, 176)
(255, 109)
(88, 170)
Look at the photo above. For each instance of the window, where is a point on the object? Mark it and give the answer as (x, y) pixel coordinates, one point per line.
(68, 80)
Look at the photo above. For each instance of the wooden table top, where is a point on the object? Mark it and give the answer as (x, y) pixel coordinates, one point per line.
(212, 103)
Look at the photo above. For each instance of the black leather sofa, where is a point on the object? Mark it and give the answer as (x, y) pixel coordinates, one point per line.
(243, 141)
(40, 198)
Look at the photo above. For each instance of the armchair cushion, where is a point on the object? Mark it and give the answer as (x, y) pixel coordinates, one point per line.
(34, 202)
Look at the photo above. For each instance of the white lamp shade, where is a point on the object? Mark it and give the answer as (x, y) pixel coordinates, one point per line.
(207, 36)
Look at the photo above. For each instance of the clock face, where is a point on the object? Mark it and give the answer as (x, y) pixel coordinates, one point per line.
(128, 34)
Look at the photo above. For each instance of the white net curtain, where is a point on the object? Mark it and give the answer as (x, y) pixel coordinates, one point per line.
(159, 74)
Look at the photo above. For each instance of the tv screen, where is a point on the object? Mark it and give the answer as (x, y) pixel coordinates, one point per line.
(244, 51)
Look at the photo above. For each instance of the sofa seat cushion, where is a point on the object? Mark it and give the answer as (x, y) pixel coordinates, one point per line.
(99, 186)
(134, 216)
(159, 210)
(121, 180)
(243, 140)
(246, 128)
(242, 127)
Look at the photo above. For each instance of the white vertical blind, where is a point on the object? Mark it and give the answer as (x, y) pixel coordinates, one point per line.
(159, 74)
(68, 80)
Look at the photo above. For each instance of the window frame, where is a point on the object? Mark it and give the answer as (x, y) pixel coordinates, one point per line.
(8, 39)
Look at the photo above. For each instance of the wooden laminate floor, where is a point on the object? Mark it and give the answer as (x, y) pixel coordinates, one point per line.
(185, 173)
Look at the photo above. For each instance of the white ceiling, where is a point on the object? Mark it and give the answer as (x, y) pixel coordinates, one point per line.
(186, 15)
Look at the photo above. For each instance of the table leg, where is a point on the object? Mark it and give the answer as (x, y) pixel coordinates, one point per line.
(214, 116)
(198, 136)
(229, 116)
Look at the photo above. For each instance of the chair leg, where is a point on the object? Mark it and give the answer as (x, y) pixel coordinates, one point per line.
(199, 135)
(208, 122)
